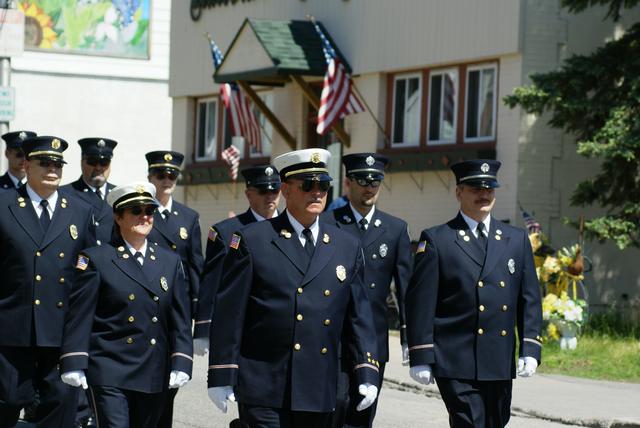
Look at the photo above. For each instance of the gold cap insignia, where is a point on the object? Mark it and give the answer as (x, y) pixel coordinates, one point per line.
(325, 238)
(55, 144)
(140, 189)
(73, 231)
(341, 273)
(183, 233)
(315, 157)
(164, 284)
(168, 157)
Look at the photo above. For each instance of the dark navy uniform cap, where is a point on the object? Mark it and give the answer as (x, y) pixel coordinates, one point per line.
(14, 139)
(262, 177)
(477, 173)
(164, 160)
(101, 148)
(306, 164)
(44, 147)
(365, 165)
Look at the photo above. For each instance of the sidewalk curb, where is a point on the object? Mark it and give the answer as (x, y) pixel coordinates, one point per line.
(592, 423)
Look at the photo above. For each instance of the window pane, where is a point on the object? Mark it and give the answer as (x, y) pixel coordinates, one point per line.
(202, 125)
(472, 104)
(210, 146)
(434, 107)
(398, 125)
(447, 127)
(266, 129)
(486, 103)
(412, 112)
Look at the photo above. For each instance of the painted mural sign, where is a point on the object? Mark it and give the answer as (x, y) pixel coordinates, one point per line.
(117, 28)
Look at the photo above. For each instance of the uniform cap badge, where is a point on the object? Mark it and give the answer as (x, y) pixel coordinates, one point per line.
(383, 250)
(22, 135)
(325, 238)
(55, 144)
(101, 143)
(370, 160)
(511, 264)
(315, 157)
(168, 157)
(484, 167)
(268, 171)
(164, 284)
(140, 189)
(341, 273)
(73, 231)
(183, 233)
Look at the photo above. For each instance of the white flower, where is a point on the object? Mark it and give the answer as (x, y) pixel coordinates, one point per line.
(107, 27)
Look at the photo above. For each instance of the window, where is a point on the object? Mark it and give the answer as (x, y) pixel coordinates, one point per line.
(206, 132)
(266, 129)
(480, 109)
(443, 93)
(407, 100)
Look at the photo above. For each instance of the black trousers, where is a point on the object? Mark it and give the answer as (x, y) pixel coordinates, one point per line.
(348, 397)
(476, 404)
(122, 408)
(270, 417)
(23, 370)
(166, 419)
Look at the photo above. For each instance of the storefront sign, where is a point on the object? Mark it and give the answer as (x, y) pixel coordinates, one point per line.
(198, 5)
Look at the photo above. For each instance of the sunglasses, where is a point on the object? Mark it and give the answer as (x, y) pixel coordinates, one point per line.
(263, 192)
(365, 182)
(46, 163)
(148, 210)
(308, 185)
(173, 176)
(98, 161)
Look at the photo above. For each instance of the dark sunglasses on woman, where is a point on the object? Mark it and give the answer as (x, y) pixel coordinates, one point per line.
(148, 210)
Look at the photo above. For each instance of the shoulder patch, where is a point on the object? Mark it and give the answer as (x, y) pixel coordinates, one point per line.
(235, 241)
(83, 262)
(422, 247)
(213, 234)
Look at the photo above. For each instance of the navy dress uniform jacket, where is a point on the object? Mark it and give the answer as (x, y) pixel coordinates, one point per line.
(217, 245)
(462, 309)
(38, 268)
(6, 183)
(387, 253)
(280, 317)
(102, 211)
(181, 233)
(128, 325)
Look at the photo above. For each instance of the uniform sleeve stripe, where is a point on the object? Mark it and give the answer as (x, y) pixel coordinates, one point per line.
(535, 342)
(74, 354)
(223, 366)
(180, 354)
(203, 322)
(429, 345)
(365, 366)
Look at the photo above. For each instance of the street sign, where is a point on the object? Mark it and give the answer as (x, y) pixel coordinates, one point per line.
(11, 33)
(7, 104)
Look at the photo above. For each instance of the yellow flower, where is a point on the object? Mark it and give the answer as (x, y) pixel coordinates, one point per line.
(536, 241)
(552, 331)
(38, 26)
(551, 265)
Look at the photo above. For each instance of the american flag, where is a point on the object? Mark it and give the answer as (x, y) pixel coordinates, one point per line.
(337, 99)
(243, 120)
(532, 225)
(231, 155)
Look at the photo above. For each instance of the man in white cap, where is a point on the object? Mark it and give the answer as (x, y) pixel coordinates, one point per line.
(291, 288)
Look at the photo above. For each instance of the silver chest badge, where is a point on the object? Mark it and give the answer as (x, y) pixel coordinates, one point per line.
(511, 264)
(383, 250)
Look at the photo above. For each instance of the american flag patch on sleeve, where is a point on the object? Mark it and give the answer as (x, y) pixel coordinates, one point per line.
(235, 241)
(422, 247)
(213, 234)
(83, 262)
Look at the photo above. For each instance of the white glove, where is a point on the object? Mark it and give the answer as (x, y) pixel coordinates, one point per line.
(219, 395)
(370, 393)
(178, 379)
(201, 346)
(422, 374)
(527, 366)
(405, 355)
(75, 378)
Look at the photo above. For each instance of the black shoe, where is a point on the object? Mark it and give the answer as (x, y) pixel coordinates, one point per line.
(86, 422)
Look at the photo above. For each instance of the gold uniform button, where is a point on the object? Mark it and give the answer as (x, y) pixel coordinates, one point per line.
(299, 317)
(154, 319)
(132, 297)
(299, 290)
(324, 350)
(60, 304)
(61, 280)
(37, 302)
(61, 255)
(480, 331)
(502, 284)
(327, 321)
(504, 308)
(481, 308)
(129, 340)
(156, 298)
(480, 284)
(503, 333)
(173, 246)
(297, 346)
(152, 341)
(38, 253)
(131, 319)
(38, 278)
(327, 293)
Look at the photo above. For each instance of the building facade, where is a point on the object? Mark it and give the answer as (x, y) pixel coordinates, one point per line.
(433, 74)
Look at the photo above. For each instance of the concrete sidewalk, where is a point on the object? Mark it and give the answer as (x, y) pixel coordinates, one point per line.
(555, 398)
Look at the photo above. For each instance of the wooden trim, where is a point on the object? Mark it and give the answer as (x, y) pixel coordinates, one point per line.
(462, 96)
(424, 108)
(388, 112)
(315, 103)
(277, 125)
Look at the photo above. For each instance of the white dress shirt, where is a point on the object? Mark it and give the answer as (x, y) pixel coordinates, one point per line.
(473, 225)
(298, 228)
(35, 200)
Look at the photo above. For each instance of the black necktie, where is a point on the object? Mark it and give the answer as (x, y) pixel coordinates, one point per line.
(363, 224)
(482, 240)
(99, 194)
(45, 219)
(166, 214)
(308, 245)
(139, 257)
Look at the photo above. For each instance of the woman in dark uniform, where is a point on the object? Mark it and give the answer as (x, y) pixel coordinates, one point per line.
(127, 335)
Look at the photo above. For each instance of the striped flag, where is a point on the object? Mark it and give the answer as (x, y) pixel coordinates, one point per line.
(241, 116)
(231, 155)
(532, 225)
(337, 99)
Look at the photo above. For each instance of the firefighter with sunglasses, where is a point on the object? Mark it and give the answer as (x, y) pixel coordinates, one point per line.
(263, 193)
(177, 228)
(15, 175)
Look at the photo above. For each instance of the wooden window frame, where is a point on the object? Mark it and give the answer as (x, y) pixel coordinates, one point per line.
(442, 72)
(406, 76)
(480, 67)
(199, 102)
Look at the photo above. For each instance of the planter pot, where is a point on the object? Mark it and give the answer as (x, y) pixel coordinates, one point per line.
(568, 335)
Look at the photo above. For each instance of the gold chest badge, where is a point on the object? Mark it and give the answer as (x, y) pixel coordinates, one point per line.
(183, 233)
(341, 273)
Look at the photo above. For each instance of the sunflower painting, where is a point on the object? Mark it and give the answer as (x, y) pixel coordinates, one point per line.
(99, 27)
